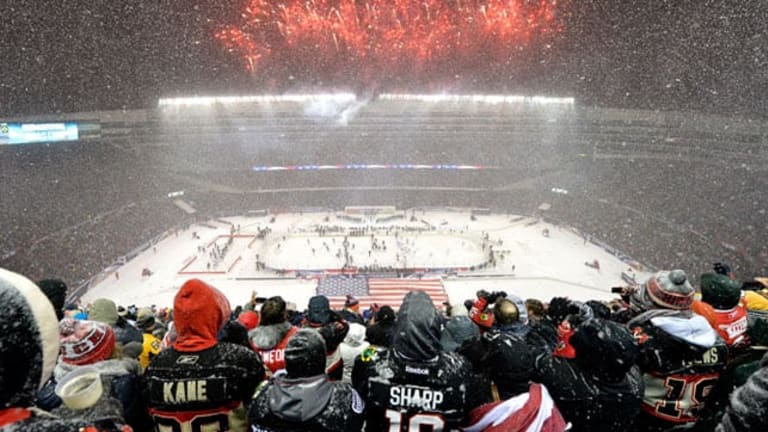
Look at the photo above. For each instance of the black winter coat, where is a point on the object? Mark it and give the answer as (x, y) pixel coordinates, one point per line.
(311, 404)
(503, 358)
(380, 333)
(590, 404)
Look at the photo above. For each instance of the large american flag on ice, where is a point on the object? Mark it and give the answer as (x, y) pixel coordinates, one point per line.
(383, 291)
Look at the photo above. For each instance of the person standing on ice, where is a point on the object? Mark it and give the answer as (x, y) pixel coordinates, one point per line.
(200, 383)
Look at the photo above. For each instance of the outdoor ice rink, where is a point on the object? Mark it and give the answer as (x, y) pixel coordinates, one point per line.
(532, 258)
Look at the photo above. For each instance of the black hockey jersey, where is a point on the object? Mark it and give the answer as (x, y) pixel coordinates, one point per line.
(681, 357)
(204, 390)
(414, 384)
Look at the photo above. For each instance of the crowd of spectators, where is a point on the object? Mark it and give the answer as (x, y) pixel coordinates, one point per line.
(662, 356)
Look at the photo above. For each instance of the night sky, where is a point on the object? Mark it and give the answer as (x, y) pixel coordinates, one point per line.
(77, 55)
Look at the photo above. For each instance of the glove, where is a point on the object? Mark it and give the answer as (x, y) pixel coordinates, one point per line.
(564, 348)
(492, 297)
(480, 315)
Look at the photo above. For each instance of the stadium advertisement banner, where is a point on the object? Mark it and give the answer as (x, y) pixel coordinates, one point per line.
(25, 133)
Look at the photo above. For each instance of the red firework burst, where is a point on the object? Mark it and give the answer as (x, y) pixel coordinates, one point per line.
(385, 37)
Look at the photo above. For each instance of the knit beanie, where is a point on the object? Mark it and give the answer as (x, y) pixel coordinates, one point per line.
(249, 319)
(720, 291)
(319, 310)
(103, 310)
(29, 339)
(85, 342)
(664, 290)
(351, 301)
(305, 354)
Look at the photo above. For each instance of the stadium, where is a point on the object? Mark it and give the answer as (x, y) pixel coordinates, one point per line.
(346, 215)
(79, 208)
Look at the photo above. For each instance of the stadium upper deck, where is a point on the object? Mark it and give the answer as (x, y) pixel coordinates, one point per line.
(672, 189)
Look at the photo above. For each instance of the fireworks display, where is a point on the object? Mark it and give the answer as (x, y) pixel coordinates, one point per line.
(385, 37)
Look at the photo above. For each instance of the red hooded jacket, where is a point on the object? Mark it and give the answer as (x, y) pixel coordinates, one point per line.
(199, 311)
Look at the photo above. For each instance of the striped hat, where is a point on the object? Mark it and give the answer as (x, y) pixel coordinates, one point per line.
(85, 342)
(664, 290)
(29, 341)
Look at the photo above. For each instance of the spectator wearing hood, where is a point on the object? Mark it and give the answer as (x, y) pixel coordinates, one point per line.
(681, 356)
(200, 383)
(600, 388)
(351, 311)
(352, 346)
(332, 328)
(415, 383)
(382, 328)
(105, 311)
(28, 352)
(271, 336)
(302, 397)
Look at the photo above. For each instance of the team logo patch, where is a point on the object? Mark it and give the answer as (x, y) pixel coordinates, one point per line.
(357, 403)
(368, 354)
(187, 359)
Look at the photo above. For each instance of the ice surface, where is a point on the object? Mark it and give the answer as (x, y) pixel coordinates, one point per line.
(533, 265)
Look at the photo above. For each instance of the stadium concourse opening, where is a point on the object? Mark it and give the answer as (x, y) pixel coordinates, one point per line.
(375, 253)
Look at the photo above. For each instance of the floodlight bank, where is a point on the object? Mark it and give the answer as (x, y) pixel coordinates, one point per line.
(228, 100)
(479, 98)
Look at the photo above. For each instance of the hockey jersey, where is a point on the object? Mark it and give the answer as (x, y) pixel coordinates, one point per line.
(730, 324)
(414, 385)
(270, 342)
(205, 390)
(681, 357)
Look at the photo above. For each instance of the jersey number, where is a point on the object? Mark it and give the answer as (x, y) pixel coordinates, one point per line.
(203, 423)
(416, 423)
(678, 390)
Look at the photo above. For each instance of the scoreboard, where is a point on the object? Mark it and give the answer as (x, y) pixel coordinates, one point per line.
(25, 133)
